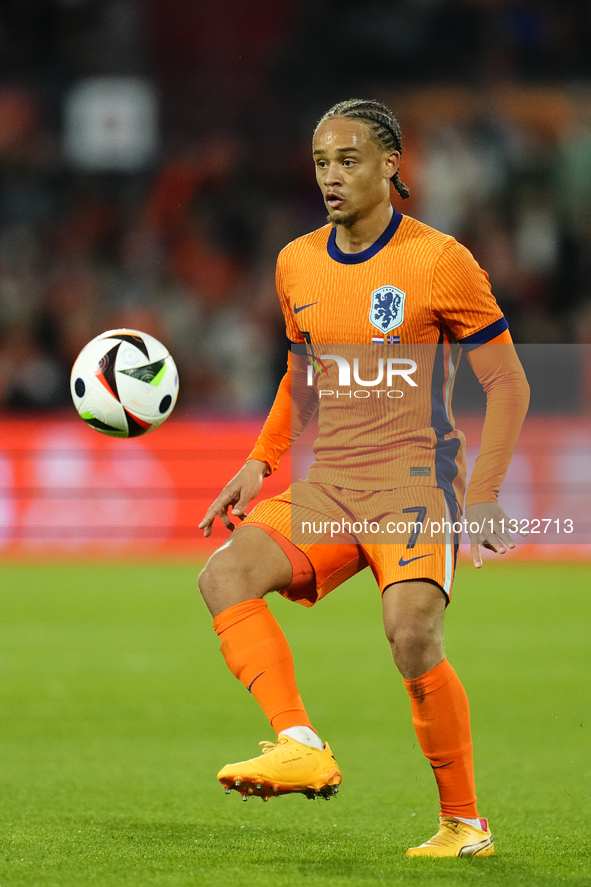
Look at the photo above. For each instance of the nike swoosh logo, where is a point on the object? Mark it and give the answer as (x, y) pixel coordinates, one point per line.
(297, 310)
(441, 766)
(249, 688)
(403, 563)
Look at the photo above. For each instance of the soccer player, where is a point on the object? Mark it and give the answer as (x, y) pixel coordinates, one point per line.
(368, 272)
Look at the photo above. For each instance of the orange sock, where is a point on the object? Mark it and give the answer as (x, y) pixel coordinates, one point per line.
(257, 653)
(441, 718)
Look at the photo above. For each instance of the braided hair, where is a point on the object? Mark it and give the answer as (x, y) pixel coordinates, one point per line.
(383, 126)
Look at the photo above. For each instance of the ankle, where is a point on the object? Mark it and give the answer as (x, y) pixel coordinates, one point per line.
(305, 735)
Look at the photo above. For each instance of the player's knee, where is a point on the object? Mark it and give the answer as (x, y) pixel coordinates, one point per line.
(413, 642)
(207, 581)
(222, 571)
(228, 579)
(404, 638)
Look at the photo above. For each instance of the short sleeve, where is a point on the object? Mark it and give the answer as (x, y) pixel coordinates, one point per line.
(462, 299)
(291, 327)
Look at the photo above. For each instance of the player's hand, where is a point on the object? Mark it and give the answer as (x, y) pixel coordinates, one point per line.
(492, 530)
(236, 495)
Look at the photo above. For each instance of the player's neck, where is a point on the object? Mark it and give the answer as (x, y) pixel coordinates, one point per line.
(365, 231)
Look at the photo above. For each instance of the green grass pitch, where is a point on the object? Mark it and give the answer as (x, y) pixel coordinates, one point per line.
(116, 711)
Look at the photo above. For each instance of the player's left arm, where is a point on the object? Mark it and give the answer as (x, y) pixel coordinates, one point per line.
(464, 303)
(500, 373)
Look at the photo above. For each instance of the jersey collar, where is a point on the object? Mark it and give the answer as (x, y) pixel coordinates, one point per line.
(357, 258)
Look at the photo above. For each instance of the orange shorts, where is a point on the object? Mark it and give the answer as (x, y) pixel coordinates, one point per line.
(330, 534)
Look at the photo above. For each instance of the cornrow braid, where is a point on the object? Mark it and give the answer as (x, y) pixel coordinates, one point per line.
(384, 128)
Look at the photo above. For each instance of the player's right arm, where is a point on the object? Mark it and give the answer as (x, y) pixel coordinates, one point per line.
(288, 417)
(292, 409)
(236, 495)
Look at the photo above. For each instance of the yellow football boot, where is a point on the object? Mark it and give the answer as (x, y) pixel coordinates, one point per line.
(285, 766)
(456, 838)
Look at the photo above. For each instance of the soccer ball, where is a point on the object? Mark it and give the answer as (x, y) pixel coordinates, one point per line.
(124, 383)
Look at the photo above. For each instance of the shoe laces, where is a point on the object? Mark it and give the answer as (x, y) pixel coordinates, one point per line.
(447, 832)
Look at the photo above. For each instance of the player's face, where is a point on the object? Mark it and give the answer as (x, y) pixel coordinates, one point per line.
(352, 171)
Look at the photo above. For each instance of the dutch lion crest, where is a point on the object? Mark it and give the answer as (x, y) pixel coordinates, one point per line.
(387, 308)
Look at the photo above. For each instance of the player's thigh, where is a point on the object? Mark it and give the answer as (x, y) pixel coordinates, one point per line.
(249, 565)
(300, 519)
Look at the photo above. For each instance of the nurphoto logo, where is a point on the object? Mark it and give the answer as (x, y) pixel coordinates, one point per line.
(400, 368)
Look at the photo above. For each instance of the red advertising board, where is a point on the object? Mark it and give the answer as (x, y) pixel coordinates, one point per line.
(68, 491)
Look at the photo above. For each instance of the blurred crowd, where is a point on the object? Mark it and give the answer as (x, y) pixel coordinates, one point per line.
(494, 100)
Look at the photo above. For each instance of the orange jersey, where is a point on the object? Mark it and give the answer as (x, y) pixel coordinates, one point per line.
(437, 286)
(413, 287)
